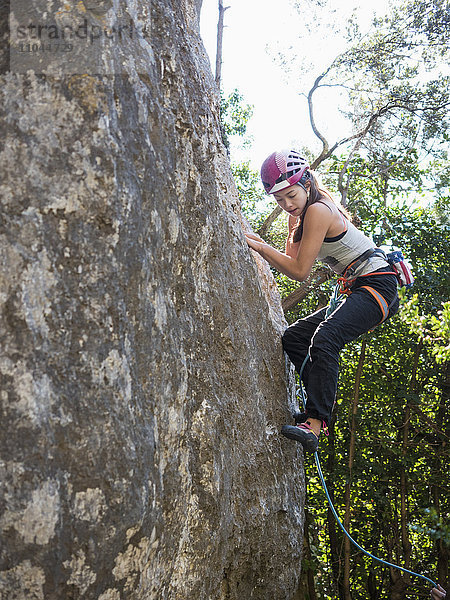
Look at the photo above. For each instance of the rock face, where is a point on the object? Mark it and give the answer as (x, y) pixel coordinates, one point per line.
(143, 379)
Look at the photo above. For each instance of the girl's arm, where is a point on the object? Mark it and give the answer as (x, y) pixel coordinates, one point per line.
(318, 219)
(291, 246)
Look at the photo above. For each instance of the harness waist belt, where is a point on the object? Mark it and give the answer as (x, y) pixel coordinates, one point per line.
(351, 268)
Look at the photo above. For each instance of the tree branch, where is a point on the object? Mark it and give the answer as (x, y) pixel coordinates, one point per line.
(319, 276)
(262, 231)
(325, 145)
(222, 10)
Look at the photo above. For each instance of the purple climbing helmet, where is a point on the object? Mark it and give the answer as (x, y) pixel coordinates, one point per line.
(282, 169)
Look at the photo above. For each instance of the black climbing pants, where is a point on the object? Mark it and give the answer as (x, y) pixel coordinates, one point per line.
(323, 338)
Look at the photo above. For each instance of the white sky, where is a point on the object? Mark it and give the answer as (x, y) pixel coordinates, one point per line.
(255, 30)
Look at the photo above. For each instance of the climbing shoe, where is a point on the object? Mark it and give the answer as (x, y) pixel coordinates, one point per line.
(302, 433)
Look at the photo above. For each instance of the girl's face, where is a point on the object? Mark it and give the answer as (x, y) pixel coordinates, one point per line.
(292, 199)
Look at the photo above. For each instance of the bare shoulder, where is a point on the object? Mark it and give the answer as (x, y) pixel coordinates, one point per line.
(325, 217)
(319, 210)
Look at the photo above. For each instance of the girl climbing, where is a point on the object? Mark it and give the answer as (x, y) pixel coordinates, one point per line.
(319, 229)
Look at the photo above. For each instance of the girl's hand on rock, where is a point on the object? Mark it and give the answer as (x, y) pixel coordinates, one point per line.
(253, 236)
(254, 241)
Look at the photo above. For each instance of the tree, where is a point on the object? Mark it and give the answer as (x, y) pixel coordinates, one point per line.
(219, 49)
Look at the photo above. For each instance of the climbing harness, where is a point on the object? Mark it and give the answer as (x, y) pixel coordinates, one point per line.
(399, 267)
(397, 264)
(335, 300)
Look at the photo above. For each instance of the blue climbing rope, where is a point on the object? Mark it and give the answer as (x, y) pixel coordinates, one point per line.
(335, 300)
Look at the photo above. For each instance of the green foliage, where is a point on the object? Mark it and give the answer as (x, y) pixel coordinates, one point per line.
(398, 72)
(425, 241)
(378, 177)
(386, 391)
(434, 330)
(398, 389)
(254, 201)
(234, 117)
(434, 526)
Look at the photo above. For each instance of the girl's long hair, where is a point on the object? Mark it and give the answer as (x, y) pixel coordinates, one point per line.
(316, 194)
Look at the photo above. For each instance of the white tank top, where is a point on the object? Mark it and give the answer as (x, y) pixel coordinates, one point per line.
(338, 252)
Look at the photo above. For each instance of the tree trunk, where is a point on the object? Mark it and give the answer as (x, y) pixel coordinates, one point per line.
(401, 581)
(351, 456)
(443, 551)
(307, 586)
(335, 543)
(222, 10)
(406, 544)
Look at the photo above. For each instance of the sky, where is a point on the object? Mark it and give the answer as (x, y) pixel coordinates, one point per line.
(256, 32)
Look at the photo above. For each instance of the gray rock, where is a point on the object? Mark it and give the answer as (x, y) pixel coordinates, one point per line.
(143, 378)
